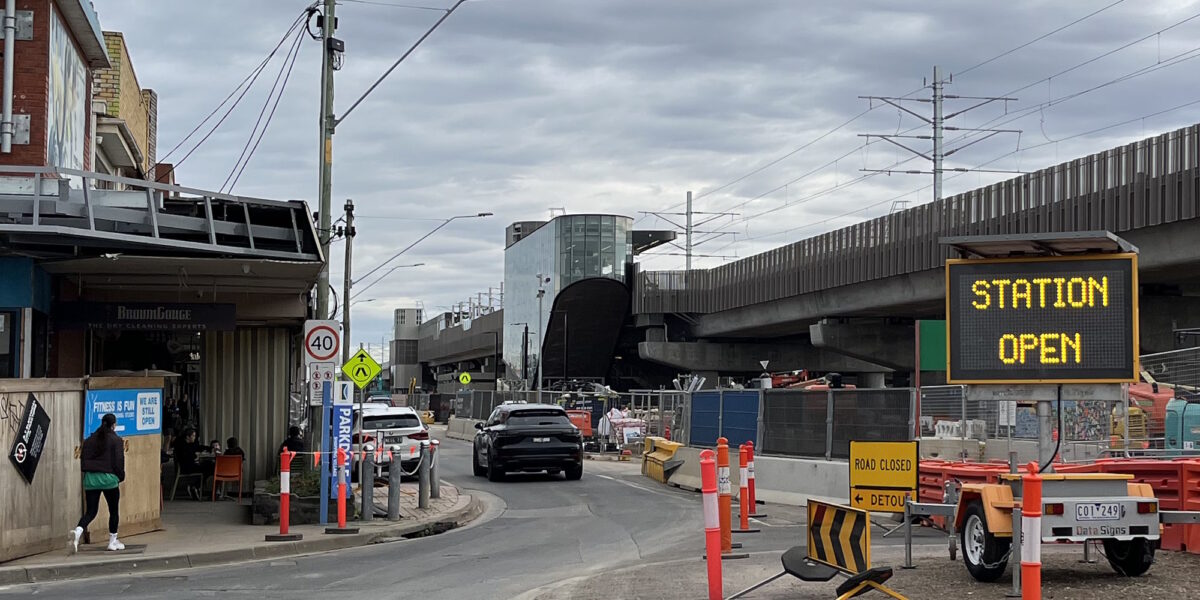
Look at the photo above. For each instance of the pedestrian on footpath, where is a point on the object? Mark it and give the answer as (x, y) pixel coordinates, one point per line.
(102, 460)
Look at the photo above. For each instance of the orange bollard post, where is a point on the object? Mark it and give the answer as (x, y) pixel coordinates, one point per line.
(712, 525)
(1031, 535)
(285, 492)
(343, 475)
(724, 495)
(750, 475)
(744, 491)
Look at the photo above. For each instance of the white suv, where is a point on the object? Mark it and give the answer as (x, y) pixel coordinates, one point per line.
(395, 428)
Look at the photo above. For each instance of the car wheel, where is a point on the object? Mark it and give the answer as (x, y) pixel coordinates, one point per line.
(493, 470)
(1130, 558)
(983, 553)
(574, 472)
(476, 469)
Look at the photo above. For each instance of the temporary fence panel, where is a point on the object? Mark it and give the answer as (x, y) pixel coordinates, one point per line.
(706, 418)
(870, 415)
(794, 422)
(820, 423)
(739, 416)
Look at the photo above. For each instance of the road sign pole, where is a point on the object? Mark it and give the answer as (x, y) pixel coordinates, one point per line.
(325, 441)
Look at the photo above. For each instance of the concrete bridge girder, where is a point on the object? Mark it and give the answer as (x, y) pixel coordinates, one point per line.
(739, 357)
(879, 341)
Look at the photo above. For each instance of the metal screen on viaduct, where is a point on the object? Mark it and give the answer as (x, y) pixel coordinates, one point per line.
(1146, 183)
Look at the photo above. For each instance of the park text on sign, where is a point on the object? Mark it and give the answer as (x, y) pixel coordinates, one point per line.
(1042, 320)
(883, 475)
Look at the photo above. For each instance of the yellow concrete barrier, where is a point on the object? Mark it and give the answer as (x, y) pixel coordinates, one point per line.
(658, 459)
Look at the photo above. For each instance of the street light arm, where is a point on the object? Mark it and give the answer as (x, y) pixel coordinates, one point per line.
(397, 255)
(449, 11)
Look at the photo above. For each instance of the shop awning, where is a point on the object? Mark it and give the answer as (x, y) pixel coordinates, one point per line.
(213, 276)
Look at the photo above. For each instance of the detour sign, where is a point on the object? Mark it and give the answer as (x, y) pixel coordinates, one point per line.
(882, 474)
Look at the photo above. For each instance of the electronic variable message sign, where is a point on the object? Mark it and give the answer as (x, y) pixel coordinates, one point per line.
(1042, 320)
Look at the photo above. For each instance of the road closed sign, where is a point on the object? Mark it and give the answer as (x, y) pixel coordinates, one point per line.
(882, 475)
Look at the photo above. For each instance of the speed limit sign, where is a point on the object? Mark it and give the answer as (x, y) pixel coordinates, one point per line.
(322, 341)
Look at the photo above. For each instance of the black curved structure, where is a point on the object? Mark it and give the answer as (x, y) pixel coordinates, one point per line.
(585, 324)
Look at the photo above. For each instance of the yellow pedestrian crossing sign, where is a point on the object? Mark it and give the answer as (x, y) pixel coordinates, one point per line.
(361, 369)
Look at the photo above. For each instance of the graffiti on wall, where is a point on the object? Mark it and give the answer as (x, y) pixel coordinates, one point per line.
(66, 117)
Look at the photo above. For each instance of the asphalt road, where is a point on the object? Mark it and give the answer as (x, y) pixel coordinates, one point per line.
(537, 530)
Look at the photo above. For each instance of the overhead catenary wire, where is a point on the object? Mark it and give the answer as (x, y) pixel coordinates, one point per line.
(1161, 64)
(860, 115)
(960, 174)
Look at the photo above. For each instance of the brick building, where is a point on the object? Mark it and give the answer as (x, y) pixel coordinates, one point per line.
(126, 116)
(57, 50)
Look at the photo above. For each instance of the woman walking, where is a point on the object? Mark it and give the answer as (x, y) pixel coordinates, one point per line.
(103, 465)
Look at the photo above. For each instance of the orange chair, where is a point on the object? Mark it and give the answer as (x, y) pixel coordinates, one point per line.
(228, 468)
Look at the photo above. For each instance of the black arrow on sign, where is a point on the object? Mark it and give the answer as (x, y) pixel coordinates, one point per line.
(858, 498)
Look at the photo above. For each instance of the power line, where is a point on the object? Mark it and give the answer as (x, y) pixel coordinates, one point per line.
(245, 88)
(246, 82)
(285, 70)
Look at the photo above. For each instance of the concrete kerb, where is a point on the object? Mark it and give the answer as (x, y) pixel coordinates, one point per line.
(458, 516)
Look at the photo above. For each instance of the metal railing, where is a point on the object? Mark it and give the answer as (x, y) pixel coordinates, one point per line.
(1145, 183)
(43, 200)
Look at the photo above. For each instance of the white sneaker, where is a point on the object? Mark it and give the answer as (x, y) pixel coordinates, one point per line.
(113, 543)
(73, 539)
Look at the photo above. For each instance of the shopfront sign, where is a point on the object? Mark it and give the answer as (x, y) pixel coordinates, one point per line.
(138, 412)
(1042, 320)
(32, 432)
(144, 316)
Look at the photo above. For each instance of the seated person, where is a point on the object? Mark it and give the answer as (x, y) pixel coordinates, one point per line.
(185, 450)
(215, 447)
(294, 441)
(232, 448)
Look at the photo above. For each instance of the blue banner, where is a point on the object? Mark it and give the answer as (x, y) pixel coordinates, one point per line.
(342, 425)
(139, 412)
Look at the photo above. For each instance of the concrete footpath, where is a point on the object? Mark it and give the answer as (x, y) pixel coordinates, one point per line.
(200, 534)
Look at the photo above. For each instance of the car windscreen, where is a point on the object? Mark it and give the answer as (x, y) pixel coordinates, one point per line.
(538, 418)
(390, 422)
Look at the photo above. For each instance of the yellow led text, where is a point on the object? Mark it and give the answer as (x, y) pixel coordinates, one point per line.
(1045, 348)
(1040, 292)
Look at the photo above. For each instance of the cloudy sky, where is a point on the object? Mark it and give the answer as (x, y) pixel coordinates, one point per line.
(622, 106)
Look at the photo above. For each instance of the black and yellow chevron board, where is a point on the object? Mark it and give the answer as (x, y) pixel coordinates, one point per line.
(839, 536)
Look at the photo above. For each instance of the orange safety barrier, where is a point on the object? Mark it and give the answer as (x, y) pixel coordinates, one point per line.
(1189, 471)
(1164, 476)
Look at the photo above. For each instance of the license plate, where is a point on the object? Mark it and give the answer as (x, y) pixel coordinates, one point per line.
(1098, 511)
(541, 440)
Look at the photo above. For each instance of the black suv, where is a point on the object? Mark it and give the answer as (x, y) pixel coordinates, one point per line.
(527, 437)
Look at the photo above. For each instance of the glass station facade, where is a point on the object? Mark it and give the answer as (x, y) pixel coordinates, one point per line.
(568, 249)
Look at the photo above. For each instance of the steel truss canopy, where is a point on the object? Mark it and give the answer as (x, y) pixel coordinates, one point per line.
(1067, 243)
(53, 213)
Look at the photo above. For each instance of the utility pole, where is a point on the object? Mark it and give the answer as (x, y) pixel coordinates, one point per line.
(688, 242)
(347, 281)
(938, 123)
(331, 48)
(689, 230)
